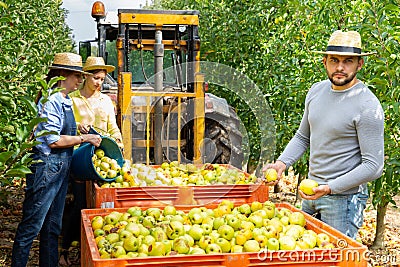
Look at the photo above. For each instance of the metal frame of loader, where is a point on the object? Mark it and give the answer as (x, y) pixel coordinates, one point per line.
(137, 31)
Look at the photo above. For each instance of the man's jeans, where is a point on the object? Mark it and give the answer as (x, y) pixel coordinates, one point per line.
(43, 209)
(342, 212)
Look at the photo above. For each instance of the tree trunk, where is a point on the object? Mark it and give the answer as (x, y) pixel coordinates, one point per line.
(380, 226)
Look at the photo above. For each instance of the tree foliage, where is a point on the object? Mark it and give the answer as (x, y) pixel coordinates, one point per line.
(31, 33)
(272, 43)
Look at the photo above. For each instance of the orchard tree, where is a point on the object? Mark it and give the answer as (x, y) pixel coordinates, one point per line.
(31, 33)
(272, 43)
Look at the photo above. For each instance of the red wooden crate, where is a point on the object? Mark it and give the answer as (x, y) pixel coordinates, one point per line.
(348, 254)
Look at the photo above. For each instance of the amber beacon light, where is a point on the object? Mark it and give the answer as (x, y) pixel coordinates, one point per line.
(98, 10)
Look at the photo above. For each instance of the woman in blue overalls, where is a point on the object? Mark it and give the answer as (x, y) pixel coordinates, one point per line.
(46, 187)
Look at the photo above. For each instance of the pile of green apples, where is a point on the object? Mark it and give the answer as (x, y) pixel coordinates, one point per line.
(177, 174)
(108, 168)
(249, 227)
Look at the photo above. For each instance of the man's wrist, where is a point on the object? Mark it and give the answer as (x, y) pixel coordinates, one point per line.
(82, 140)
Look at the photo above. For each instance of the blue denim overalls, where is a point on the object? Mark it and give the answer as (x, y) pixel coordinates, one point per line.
(43, 206)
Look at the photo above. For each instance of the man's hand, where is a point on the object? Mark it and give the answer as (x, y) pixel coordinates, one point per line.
(279, 166)
(319, 191)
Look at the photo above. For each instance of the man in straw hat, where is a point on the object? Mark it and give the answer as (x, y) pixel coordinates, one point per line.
(92, 109)
(342, 125)
(46, 187)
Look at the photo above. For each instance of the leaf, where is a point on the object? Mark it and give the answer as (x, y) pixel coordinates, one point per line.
(20, 171)
(4, 156)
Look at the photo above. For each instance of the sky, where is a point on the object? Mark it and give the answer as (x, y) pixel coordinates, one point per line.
(81, 22)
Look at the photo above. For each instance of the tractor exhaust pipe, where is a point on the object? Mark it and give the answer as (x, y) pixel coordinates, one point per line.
(158, 107)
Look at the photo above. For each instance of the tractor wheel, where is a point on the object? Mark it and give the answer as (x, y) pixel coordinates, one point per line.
(223, 140)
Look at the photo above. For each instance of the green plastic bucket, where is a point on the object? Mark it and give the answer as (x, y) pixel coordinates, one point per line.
(82, 166)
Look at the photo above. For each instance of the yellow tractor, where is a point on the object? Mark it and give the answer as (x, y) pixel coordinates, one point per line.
(163, 110)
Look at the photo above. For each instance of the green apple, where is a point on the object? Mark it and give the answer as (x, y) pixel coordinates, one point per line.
(158, 233)
(97, 222)
(168, 245)
(322, 238)
(134, 228)
(117, 251)
(228, 203)
(123, 234)
(273, 244)
(256, 220)
(234, 222)
(143, 231)
(106, 159)
(218, 222)
(103, 243)
(169, 210)
(226, 231)
(131, 243)
(301, 244)
(196, 250)
(270, 231)
(241, 237)
(112, 237)
(131, 254)
(104, 166)
(181, 245)
(287, 242)
(297, 218)
(245, 209)
(213, 249)
(261, 212)
(149, 222)
(196, 232)
(125, 216)
(247, 225)
(148, 240)
(251, 246)
(269, 203)
(237, 249)
(157, 249)
(307, 186)
(189, 239)
(271, 175)
(99, 153)
(174, 229)
(214, 234)
(209, 219)
(262, 240)
(205, 241)
(103, 174)
(207, 228)
(285, 220)
(270, 211)
(224, 244)
(283, 212)
(276, 223)
(154, 212)
(294, 231)
(209, 176)
(118, 179)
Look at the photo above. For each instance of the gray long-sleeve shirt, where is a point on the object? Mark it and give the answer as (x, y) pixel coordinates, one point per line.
(344, 131)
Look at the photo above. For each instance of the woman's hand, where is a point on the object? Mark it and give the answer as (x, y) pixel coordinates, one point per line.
(94, 139)
(83, 128)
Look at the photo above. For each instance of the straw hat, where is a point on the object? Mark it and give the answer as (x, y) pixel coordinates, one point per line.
(344, 43)
(67, 61)
(97, 63)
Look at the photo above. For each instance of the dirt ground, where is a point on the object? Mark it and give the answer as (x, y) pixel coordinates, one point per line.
(10, 215)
